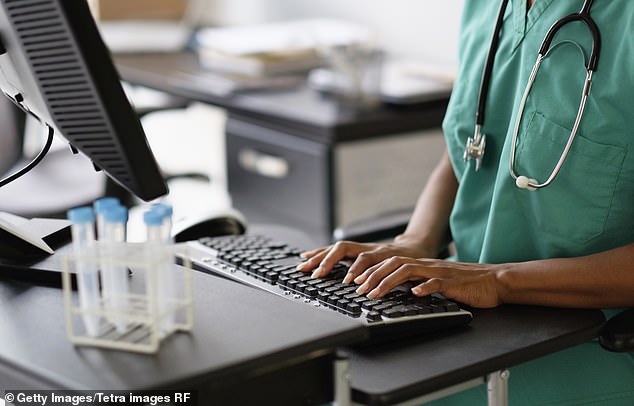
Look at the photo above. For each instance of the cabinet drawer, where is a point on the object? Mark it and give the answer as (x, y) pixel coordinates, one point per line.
(278, 177)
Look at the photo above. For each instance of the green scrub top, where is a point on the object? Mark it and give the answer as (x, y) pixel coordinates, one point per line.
(590, 205)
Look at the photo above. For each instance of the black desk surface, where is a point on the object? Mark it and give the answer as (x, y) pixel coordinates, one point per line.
(237, 330)
(496, 339)
(232, 338)
(299, 109)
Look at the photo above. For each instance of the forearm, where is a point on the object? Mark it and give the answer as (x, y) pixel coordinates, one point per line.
(428, 227)
(599, 281)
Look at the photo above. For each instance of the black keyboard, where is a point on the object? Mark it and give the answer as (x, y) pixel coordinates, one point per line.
(270, 265)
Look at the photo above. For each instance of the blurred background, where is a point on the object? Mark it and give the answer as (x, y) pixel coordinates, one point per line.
(277, 60)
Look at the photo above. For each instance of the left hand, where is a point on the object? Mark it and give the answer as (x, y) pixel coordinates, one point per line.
(473, 284)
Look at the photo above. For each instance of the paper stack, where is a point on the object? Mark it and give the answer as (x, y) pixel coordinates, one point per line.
(275, 48)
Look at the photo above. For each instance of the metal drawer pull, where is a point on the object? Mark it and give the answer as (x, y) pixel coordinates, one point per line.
(263, 164)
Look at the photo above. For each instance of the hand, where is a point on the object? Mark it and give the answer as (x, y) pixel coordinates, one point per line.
(365, 255)
(476, 285)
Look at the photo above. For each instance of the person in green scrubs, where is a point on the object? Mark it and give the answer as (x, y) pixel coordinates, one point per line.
(570, 244)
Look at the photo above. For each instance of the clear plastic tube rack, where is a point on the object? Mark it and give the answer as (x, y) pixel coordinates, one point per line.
(136, 320)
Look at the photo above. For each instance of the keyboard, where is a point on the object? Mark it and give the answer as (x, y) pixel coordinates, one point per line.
(270, 265)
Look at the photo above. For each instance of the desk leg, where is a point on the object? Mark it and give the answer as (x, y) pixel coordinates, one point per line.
(497, 388)
(342, 381)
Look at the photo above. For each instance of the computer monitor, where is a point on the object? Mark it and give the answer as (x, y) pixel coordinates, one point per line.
(11, 135)
(55, 66)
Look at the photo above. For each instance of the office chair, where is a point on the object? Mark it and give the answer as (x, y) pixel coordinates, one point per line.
(617, 334)
(188, 144)
(376, 228)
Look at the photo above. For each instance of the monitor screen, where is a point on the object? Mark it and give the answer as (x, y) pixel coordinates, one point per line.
(54, 65)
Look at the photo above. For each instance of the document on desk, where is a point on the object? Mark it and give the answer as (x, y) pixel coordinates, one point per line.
(224, 84)
(29, 233)
(399, 82)
(274, 48)
(144, 36)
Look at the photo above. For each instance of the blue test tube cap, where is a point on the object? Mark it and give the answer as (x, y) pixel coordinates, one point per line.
(116, 214)
(79, 215)
(165, 209)
(101, 205)
(153, 218)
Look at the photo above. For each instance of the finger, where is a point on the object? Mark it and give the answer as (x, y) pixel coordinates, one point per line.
(365, 274)
(395, 272)
(341, 250)
(313, 261)
(434, 285)
(312, 253)
(372, 279)
(365, 261)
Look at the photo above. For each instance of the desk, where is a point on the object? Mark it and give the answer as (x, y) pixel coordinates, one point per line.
(235, 344)
(495, 340)
(280, 140)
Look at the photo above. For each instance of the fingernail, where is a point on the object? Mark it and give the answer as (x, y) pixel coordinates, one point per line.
(361, 289)
(358, 279)
(300, 267)
(317, 273)
(416, 290)
(348, 278)
(373, 293)
(303, 254)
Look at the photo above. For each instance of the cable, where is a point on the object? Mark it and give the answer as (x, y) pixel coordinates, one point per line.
(34, 162)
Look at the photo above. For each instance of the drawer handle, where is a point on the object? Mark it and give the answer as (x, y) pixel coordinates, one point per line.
(263, 164)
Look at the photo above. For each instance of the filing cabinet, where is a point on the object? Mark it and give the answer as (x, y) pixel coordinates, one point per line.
(321, 174)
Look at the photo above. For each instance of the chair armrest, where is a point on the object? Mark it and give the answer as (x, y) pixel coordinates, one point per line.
(380, 227)
(618, 332)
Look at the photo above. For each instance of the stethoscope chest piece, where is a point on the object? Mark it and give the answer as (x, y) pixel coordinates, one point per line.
(475, 147)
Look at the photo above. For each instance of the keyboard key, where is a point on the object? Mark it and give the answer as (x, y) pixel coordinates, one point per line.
(369, 305)
(311, 291)
(392, 312)
(354, 308)
(374, 316)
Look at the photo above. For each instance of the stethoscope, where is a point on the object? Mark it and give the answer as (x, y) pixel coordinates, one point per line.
(475, 145)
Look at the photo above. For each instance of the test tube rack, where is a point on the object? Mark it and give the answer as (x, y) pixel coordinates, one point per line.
(141, 318)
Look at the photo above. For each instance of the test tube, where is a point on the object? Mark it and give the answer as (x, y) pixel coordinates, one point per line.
(83, 234)
(166, 280)
(155, 245)
(115, 275)
(100, 206)
(166, 226)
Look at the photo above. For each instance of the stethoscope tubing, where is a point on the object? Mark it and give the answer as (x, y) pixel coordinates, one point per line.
(488, 66)
(475, 145)
(583, 16)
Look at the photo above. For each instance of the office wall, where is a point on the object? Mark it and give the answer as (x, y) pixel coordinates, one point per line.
(423, 29)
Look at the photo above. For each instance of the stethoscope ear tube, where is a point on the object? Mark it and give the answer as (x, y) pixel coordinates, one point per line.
(592, 27)
(474, 147)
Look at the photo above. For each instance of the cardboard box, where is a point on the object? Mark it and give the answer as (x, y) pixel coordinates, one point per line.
(138, 9)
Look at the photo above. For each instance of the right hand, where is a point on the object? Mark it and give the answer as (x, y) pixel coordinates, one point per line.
(364, 255)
